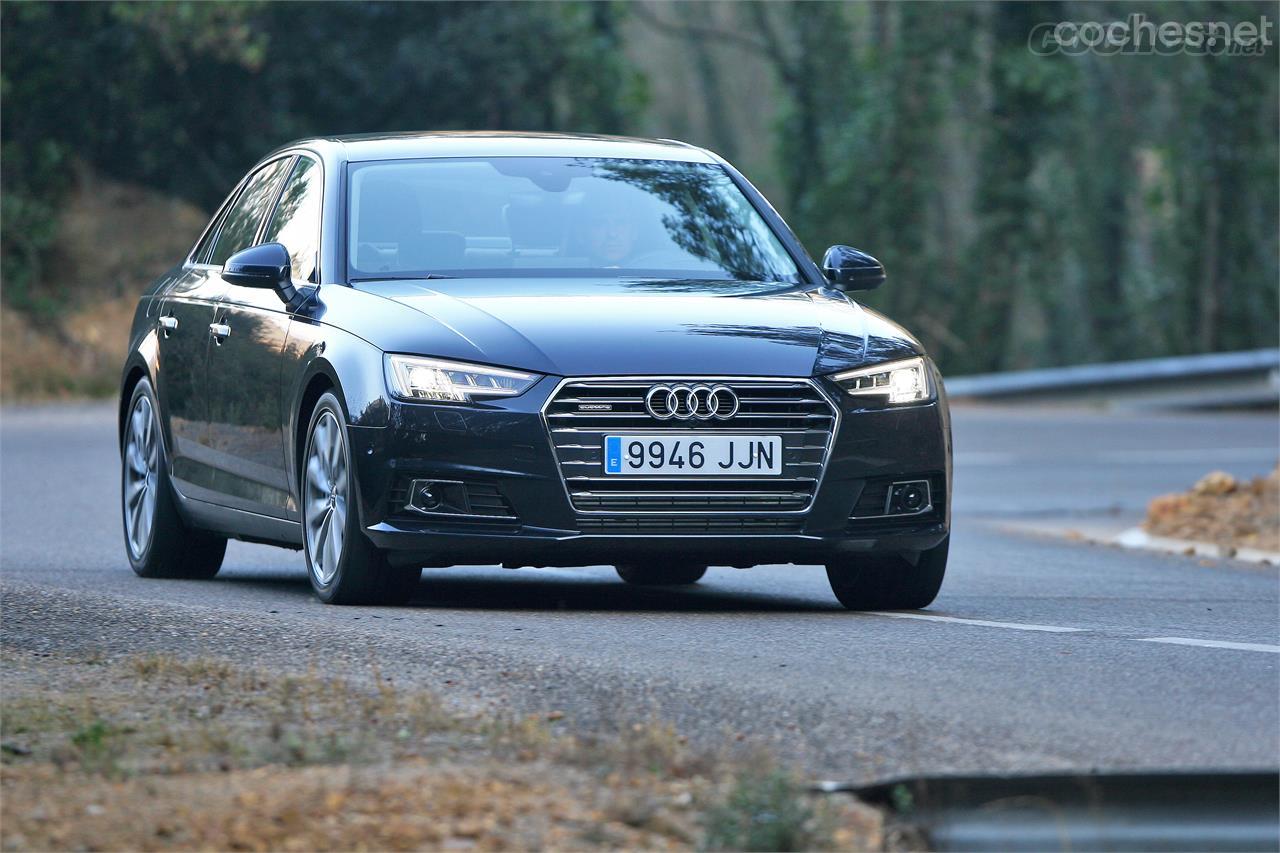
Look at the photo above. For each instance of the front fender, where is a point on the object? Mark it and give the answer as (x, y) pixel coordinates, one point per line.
(353, 366)
(322, 356)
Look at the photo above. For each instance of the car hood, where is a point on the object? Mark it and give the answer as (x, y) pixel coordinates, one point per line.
(589, 327)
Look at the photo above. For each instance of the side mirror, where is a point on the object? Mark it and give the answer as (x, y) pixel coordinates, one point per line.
(266, 266)
(849, 269)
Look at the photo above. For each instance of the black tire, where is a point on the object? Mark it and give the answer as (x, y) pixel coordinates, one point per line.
(167, 547)
(649, 574)
(360, 573)
(890, 581)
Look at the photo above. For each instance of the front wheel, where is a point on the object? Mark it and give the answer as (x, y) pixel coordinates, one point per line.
(157, 541)
(676, 574)
(344, 566)
(890, 581)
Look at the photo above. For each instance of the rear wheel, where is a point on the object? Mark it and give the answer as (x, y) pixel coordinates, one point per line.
(157, 541)
(670, 574)
(344, 566)
(890, 581)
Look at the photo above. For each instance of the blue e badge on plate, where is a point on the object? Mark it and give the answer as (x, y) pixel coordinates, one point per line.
(613, 454)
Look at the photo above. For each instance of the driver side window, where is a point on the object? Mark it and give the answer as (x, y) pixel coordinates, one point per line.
(296, 221)
(242, 220)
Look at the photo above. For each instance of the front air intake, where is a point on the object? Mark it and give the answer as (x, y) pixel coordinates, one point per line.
(902, 501)
(448, 501)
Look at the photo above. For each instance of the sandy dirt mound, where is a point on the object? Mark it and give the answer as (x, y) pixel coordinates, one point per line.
(1222, 510)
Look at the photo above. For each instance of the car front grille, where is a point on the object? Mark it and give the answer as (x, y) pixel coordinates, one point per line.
(583, 411)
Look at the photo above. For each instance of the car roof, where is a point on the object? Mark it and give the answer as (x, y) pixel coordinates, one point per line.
(488, 143)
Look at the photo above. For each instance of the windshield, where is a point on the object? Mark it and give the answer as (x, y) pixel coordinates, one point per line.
(539, 216)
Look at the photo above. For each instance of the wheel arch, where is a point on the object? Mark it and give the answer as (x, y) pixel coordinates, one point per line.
(322, 380)
(134, 372)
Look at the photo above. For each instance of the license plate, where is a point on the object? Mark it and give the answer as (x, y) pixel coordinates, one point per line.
(704, 455)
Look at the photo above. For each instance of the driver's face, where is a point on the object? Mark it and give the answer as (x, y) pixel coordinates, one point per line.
(612, 237)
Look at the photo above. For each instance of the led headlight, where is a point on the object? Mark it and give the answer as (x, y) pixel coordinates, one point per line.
(905, 381)
(413, 378)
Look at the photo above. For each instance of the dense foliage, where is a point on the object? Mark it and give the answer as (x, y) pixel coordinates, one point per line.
(1031, 210)
(184, 97)
(1034, 210)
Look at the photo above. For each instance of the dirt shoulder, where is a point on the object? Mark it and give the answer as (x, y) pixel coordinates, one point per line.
(1219, 519)
(156, 752)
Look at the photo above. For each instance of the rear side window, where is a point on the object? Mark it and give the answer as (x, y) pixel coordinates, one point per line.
(296, 221)
(246, 214)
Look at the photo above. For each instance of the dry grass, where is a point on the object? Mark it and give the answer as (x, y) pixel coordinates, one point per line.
(158, 752)
(113, 240)
(80, 356)
(1222, 510)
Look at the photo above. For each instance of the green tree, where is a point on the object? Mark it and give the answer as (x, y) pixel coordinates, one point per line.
(1032, 210)
(184, 97)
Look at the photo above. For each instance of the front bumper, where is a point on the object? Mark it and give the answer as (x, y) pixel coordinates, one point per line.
(504, 446)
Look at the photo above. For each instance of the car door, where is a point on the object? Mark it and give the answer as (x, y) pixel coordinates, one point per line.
(185, 310)
(182, 322)
(246, 418)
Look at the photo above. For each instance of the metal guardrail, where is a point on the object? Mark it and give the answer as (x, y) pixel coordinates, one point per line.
(1250, 378)
(1085, 811)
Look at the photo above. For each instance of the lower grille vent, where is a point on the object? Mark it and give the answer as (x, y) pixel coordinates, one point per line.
(657, 525)
(685, 496)
(480, 503)
(873, 511)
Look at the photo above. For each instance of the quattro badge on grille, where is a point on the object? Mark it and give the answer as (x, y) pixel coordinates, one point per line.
(595, 407)
(685, 402)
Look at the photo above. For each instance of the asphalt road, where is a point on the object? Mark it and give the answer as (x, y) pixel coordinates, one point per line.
(1040, 653)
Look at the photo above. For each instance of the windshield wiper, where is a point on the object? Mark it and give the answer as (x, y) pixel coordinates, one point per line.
(426, 276)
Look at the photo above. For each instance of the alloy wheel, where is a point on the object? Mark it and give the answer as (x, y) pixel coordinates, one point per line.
(141, 476)
(325, 503)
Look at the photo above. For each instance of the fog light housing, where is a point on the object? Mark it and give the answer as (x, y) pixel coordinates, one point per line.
(908, 497)
(437, 496)
(425, 498)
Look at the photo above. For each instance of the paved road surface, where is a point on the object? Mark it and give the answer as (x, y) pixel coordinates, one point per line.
(1038, 654)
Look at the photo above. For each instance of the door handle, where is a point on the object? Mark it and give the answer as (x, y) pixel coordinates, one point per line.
(168, 324)
(220, 331)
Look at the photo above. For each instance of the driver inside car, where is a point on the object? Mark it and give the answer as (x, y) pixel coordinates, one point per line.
(611, 238)
(609, 226)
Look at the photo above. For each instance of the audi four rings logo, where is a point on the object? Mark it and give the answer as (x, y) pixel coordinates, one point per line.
(684, 402)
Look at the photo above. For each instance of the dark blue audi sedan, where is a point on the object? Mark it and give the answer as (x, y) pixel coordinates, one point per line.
(436, 349)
